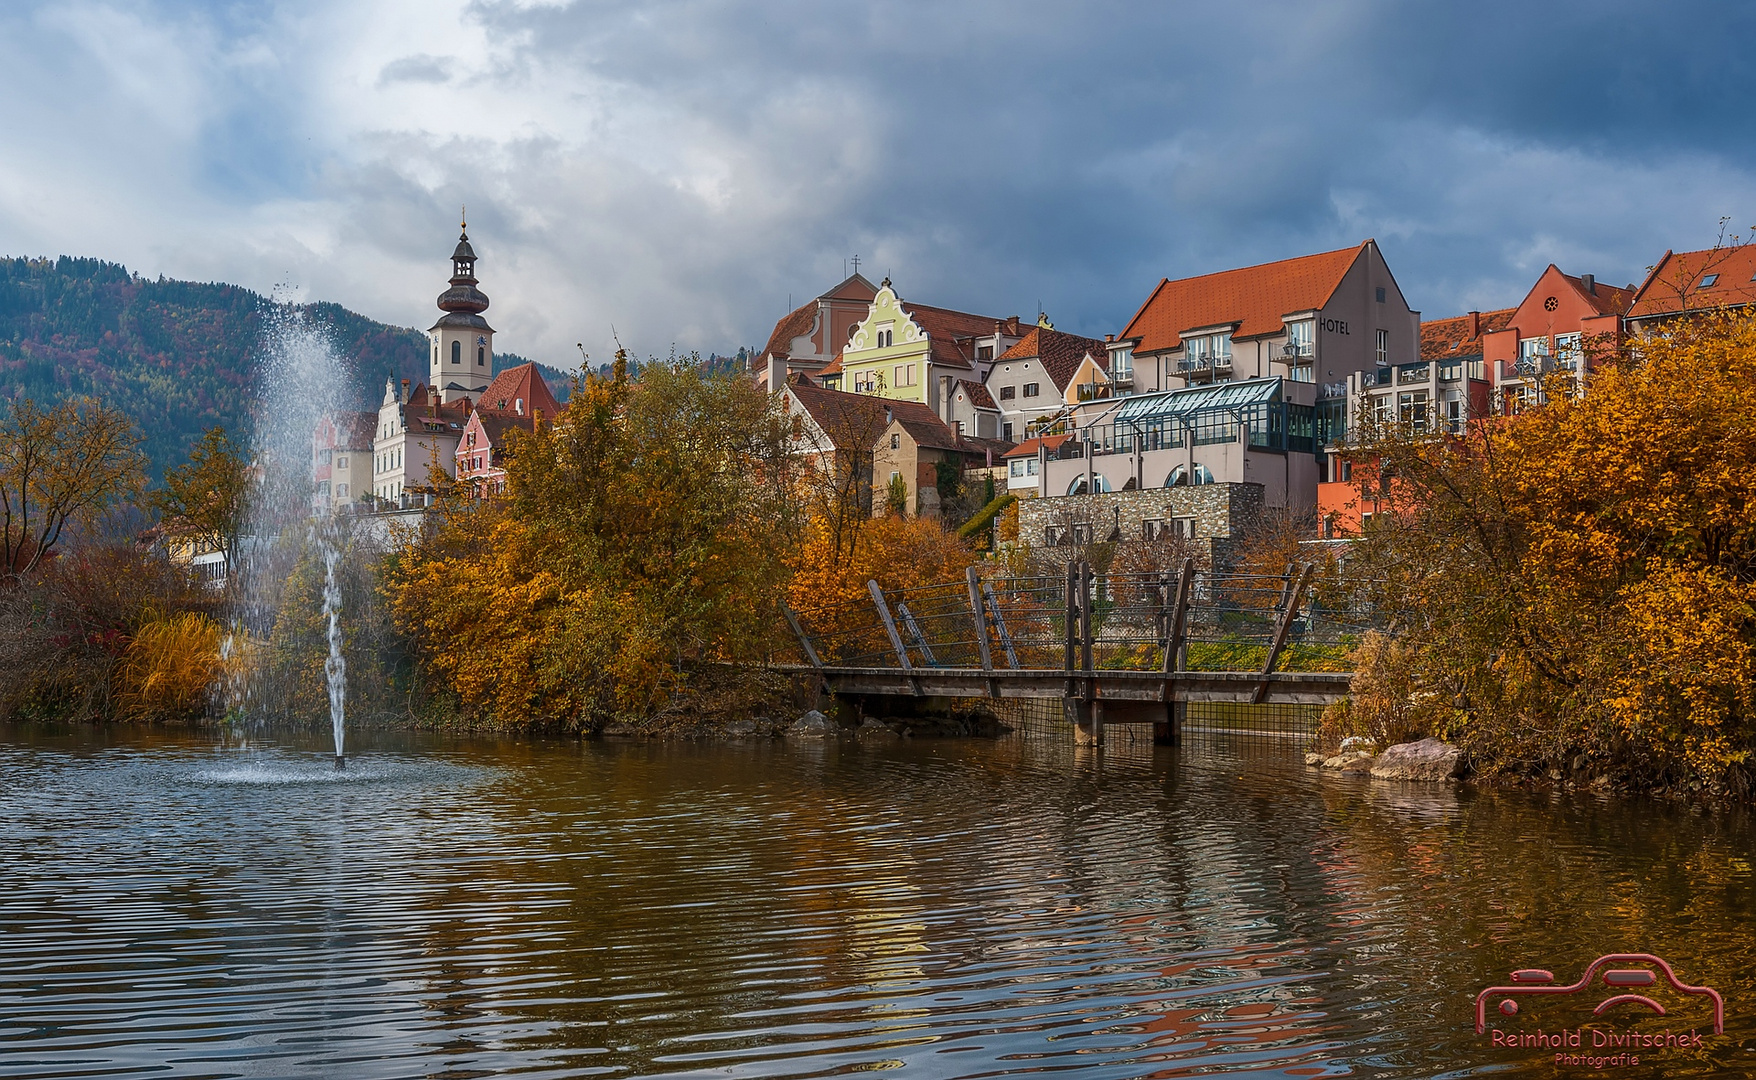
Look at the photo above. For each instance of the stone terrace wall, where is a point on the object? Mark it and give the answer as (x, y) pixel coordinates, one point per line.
(1216, 513)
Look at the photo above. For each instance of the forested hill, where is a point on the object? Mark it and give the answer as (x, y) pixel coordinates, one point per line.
(180, 356)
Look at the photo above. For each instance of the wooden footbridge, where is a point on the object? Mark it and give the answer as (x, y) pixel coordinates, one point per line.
(1114, 648)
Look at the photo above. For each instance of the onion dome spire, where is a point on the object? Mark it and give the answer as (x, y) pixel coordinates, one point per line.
(463, 298)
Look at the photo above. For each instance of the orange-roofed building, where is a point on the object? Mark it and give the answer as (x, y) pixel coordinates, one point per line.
(1691, 281)
(1562, 323)
(483, 450)
(520, 391)
(1311, 320)
(810, 336)
(1043, 374)
(914, 352)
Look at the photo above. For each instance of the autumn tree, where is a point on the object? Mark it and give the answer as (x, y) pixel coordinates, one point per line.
(644, 534)
(208, 497)
(60, 465)
(1574, 587)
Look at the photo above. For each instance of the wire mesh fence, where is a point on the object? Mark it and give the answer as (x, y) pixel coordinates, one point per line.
(1216, 621)
(1268, 729)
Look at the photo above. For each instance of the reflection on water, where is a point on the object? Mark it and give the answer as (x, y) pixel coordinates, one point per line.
(952, 909)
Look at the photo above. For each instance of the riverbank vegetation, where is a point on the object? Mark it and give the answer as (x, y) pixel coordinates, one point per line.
(1573, 589)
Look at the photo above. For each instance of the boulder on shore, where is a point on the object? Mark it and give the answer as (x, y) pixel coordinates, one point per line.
(1428, 759)
(812, 724)
(1350, 761)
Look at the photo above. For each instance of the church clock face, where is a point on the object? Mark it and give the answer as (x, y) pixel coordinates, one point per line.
(481, 340)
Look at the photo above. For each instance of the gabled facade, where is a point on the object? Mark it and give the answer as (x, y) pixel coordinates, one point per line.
(1689, 281)
(416, 433)
(810, 336)
(1311, 321)
(1561, 323)
(912, 352)
(1044, 373)
(482, 452)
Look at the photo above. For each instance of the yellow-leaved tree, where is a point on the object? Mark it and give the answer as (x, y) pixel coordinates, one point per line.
(644, 533)
(1574, 587)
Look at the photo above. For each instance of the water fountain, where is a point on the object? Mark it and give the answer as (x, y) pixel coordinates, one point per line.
(335, 668)
(301, 374)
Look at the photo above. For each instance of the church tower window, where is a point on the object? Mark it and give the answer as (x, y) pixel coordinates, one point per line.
(457, 352)
(481, 356)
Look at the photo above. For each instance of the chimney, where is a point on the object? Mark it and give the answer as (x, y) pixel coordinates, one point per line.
(1475, 324)
(518, 406)
(405, 392)
(888, 419)
(1590, 283)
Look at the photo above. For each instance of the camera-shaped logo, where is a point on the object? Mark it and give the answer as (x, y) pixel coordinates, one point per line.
(1607, 974)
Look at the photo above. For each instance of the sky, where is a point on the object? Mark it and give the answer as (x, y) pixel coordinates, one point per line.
(675, 173)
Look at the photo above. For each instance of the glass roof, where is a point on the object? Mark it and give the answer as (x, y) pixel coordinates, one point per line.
(1146, 408)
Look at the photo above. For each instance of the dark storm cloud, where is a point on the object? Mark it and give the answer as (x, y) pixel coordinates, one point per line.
(679, 169)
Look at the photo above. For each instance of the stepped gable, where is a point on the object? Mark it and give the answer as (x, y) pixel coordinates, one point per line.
(1059, 353)
(1251, 299)
(1461, 335)
(522, 383)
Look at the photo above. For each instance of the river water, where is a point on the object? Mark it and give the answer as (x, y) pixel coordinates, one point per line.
(461, 908)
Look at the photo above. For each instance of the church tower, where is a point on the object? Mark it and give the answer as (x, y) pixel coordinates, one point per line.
(463, 342)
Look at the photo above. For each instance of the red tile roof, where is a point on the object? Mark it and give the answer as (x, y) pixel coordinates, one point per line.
(1252, 299)
(795, 323)
(978, 394)
(521, 382)
(944, 327)
(1678, 276)
(1442, 339)
(1028, 448)
(1607, 299)
(355, 430)
(1060, 354)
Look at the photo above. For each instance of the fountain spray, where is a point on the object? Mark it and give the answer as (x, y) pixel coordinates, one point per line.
(335, 669)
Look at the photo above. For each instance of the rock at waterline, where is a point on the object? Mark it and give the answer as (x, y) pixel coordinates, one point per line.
(812, 724)
(1349, 761)
(873, 728)
(1428, 759)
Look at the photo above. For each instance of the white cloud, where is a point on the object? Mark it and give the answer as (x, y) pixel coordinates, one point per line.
(677, 169)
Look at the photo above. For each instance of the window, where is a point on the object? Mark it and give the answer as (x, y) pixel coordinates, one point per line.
(1182, 477)
(1383, 343)
(904, 375)
(1450, 370)
(1122, 365)
(1207, 350)
(865, 382)
(1031, 389)
(984, 352)
(1167, 528)
(1454, 412)
(1411, 410)
(1099, 484)
(481, 356)
(1054, 535)
(1007, 393)
(1006, 431)
(457, 352)
(1082, 532)
(1709, 280)
(1022, 468)
(341, 463)
(886, 337)
(896, 442)
(1301, 341)
(1380, 295)
(1567, 351)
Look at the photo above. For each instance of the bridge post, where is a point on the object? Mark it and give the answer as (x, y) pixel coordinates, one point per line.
(1176, 642)
(981, 625)
(895, 638)
(1088, 728)
(1289, 604)
(1000, 624)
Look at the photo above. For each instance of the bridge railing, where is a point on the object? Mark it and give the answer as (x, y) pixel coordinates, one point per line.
(1086, 620)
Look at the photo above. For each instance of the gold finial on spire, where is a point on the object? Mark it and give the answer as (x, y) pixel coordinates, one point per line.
(463, 218)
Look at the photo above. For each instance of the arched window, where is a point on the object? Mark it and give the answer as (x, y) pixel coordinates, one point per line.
(457, 352)
(1099, 485)
(1181, 476)
(481, 356)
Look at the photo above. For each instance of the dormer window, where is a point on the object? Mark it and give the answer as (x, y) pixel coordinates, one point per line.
(1709, 280)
